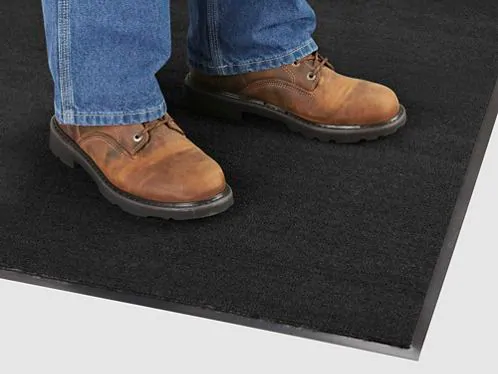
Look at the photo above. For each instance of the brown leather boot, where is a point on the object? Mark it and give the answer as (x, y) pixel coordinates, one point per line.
(149, 169)
(308, 96)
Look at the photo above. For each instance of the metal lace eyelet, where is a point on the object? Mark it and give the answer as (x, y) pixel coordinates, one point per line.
(137, 138)
(311, 76)
(296, 63)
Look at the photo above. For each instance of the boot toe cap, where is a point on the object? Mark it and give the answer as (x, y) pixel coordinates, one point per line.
(380, 102)
(194, 178)
(368, 104)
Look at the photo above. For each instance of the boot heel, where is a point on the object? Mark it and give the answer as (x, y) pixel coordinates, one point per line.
(61, 150)
(211, 105)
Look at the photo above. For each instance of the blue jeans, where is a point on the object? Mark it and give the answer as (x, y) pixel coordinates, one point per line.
(104, 54)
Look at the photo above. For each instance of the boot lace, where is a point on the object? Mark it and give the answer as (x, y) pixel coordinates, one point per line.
(318, 63)
(149, 126)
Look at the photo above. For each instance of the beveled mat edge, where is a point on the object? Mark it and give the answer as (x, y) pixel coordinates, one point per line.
(456, 221)
(20, 276)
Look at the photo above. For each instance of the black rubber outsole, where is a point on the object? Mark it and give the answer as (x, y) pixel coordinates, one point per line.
(233, 107)
(63, 147)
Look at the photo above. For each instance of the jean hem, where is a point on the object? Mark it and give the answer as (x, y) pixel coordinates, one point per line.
(111, 118)
(264, 63)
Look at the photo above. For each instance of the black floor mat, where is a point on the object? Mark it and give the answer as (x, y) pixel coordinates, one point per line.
(340, 239)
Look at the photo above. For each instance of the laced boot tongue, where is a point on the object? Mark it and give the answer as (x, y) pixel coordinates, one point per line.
(318, 62)
(165, 120)
(174, 126)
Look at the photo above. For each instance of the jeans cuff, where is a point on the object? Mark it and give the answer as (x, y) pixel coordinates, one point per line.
(111, 118)
(263, 63)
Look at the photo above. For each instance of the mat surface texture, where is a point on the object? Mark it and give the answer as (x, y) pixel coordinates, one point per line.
(340, 239)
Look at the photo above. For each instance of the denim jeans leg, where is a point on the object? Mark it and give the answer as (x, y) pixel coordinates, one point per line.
(103, 56)
(229, 37)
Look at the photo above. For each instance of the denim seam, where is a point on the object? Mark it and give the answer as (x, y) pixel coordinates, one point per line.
(212, 14)
(251, 62)
(118, 118)
(64, 51)
(126, 113)
(216, 22)
(309, 44)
